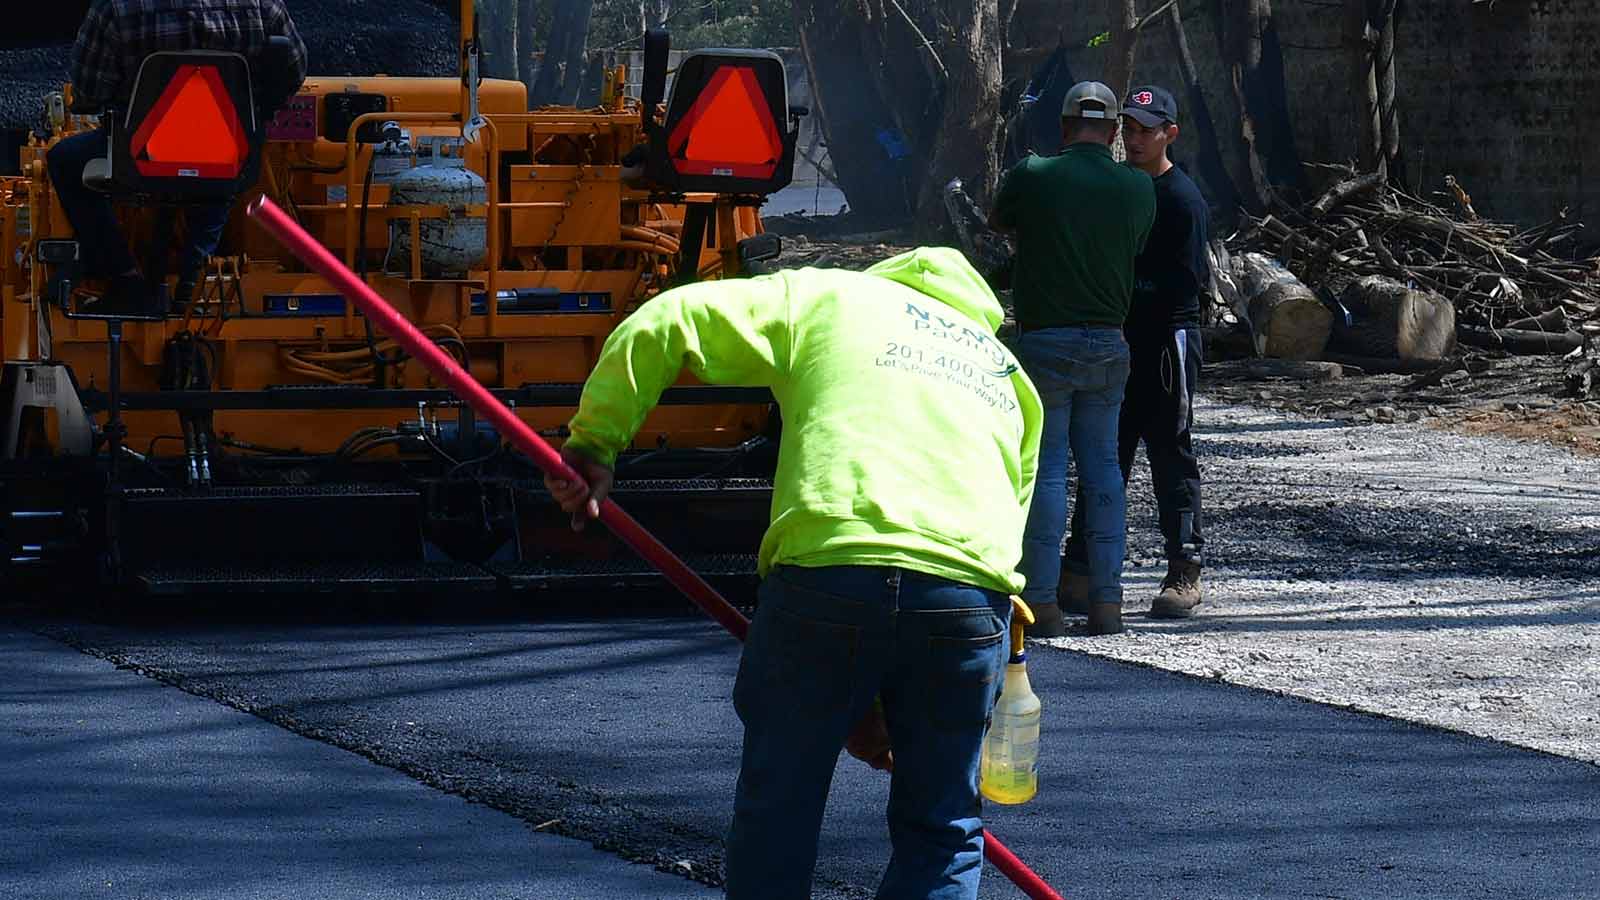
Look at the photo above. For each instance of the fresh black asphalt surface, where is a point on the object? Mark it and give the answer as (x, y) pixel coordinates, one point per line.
(619, 733)
(118, 786)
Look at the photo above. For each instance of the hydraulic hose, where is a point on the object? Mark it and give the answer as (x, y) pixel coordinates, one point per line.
(624, 526)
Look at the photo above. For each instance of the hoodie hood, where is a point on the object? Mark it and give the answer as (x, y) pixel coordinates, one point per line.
(944, 274)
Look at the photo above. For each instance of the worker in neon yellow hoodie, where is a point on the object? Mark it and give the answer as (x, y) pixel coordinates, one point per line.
(910, 437)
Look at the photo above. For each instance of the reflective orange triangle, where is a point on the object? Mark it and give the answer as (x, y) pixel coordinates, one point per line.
(195, 128)
(735, 126)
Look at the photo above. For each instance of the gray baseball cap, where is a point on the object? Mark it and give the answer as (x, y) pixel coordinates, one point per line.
(1100, 100)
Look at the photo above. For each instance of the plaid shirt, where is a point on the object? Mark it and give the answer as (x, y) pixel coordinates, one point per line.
(117, 35)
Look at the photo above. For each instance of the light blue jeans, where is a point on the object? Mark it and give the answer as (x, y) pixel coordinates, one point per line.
(824, 643)
(1081, 374)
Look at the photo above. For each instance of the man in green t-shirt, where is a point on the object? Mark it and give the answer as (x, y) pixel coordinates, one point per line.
(1079, 218)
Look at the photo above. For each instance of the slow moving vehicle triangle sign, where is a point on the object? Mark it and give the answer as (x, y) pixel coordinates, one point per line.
(192, 131)
(729, 130)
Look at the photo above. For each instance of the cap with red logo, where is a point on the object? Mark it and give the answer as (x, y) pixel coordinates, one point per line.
(1151, 106)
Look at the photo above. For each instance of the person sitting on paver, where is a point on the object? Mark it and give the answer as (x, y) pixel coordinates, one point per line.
(114, 39)
(904, 478)
(1080, 218)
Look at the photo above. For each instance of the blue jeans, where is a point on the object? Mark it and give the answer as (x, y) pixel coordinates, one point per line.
(1081, 374)
(105, 251)
(824, 643)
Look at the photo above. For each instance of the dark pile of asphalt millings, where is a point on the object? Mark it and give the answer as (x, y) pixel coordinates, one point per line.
(343, 37)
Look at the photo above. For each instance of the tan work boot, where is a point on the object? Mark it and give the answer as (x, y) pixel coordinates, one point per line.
(1073, 592)
(1180, 592)
(1047, 621)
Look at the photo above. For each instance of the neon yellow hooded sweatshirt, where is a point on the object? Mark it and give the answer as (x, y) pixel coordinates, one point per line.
(910, 433)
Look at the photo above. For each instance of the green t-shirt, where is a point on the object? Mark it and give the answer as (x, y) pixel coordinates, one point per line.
(1080, 219)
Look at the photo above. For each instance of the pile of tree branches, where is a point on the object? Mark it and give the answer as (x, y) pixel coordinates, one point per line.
(1512, 289)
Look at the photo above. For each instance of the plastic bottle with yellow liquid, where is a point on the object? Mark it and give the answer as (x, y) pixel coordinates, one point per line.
(1009, 768)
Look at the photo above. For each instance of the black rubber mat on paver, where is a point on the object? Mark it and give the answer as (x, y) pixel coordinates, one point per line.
(274, 492)
(197, 578)
(690, 488)
(621, 572)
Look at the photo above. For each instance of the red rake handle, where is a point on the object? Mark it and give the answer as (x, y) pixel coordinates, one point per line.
(441, 364)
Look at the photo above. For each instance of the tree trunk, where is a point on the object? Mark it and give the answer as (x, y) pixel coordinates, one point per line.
(908, 100)
(966, 144)
(1213, 171)
(874, 174)
(1388, 113)
(1369, 38)
(1362, 45)
(1391, 321)
(1250, 48)
(527, 18)
(497, 28)
(1124, 45)
(561, 74)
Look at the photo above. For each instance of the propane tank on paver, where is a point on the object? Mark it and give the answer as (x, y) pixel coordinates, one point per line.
(1009, 768)
(451, 246)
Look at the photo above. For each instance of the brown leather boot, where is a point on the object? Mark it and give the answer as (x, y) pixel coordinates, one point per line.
(1073, 592)
(1047, 621)
(1180, 592)
(1105, 617)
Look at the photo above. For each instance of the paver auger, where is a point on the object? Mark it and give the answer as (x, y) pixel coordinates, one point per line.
(266, 437)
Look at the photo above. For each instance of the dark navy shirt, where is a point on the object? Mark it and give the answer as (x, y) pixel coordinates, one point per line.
(1173, 268)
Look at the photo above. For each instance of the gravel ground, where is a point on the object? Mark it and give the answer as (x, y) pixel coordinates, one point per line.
(1402, 570)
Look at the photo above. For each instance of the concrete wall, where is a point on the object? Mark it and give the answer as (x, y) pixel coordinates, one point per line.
(1494, 94)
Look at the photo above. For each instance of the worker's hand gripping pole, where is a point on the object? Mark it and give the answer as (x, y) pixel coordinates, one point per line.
(442, 365)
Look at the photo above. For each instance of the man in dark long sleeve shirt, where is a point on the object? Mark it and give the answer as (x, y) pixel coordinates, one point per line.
(112, 42)
(1163, 333)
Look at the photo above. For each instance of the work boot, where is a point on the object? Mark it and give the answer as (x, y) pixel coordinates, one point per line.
(1105, 617)
(1180, 592)
(1073, 592)
(1047, 621)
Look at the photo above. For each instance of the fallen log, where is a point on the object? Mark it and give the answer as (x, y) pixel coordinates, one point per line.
(1290, 323)
(1227, 342)
(1344, 190)
(1375, 366)
(1224, 305)
(1299, 370)
(1390, 320)
(1583, 379)
(1287, 321)
(1554, 320)
(1521, 343)
(1491, 272)
(1435, 377)
(1583, 376)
